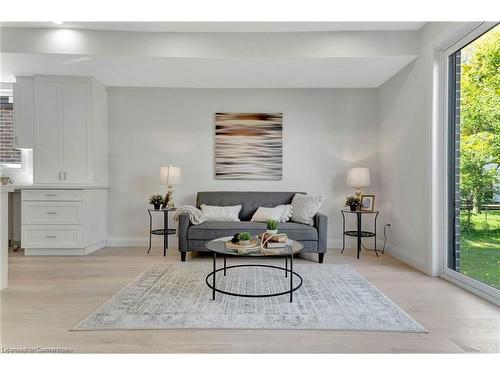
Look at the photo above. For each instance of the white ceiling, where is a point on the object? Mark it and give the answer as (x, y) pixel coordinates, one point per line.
(225, 26)
(344, 59)
(351, 72)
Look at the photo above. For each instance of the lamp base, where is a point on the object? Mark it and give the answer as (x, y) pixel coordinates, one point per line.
(358, 192)
(170, 197)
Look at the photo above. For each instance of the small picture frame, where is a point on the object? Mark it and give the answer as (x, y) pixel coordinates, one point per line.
(367, 202)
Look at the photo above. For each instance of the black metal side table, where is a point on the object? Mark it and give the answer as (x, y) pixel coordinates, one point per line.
(165, 231)
(358, 232)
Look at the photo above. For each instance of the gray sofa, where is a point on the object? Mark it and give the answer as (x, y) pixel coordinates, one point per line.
(193, 237)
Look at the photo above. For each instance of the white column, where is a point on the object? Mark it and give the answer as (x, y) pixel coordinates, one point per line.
(4, 235)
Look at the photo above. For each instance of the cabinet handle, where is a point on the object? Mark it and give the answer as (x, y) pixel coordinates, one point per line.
(51, 213)
(51, 195)
(59, 176)
(51, 236)
(15, 141)
(65, 173)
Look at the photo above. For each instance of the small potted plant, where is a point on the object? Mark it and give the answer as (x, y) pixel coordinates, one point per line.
(272, 226)
(5, 180)
(156, 200)
(244, 238)
(353, 202)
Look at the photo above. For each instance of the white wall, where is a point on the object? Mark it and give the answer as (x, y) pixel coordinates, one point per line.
(407, 111)
(325, 131)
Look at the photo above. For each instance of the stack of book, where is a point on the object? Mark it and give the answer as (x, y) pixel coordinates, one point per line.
(273, 241)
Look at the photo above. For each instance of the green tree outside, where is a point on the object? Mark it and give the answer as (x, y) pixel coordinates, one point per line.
(480, 157)
(480, 118)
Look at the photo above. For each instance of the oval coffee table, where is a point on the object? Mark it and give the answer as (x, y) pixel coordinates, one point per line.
(218, 246)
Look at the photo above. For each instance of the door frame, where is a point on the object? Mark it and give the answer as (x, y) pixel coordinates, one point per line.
(486, 291)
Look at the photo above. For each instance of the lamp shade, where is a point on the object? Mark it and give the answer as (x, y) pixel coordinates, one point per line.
(358, 176)
(170, 175)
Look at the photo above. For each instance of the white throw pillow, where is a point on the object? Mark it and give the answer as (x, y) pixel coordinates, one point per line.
(305, 207)
(221, 213)
(281, 213)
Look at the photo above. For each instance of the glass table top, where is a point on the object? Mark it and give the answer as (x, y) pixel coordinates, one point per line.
(219, 246)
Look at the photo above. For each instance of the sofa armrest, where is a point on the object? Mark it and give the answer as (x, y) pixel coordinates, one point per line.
(321, 224)
(182, 230)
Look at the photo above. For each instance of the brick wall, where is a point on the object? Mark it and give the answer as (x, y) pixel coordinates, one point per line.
(7, 153)
(458, 75)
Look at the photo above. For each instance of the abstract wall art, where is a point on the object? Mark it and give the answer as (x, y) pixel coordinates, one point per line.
(248, 146)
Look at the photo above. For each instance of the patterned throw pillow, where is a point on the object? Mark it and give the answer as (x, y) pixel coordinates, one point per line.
(221, 213)
(305, 207)
(282, 213)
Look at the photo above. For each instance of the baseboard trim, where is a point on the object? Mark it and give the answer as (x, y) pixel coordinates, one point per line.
(127, 241)
(350, 243)
(406, 257)
(334, 243)
(157, 241)
(65, 251)
(95, 247)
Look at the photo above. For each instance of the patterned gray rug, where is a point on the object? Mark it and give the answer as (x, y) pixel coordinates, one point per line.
(175, 296)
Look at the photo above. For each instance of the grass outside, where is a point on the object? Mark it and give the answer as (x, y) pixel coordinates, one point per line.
(480, 248)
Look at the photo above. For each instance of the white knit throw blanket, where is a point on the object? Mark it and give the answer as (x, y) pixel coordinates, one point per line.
(195, 215)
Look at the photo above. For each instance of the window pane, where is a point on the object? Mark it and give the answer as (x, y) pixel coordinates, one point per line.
(9, 157)
(475, 168)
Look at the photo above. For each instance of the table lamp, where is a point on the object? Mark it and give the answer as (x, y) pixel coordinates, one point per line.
(358, 176)
(170, 176)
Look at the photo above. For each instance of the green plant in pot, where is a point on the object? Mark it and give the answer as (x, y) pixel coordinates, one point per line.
(353, 202)
(156, 200)
(272, 226)
(244, 238)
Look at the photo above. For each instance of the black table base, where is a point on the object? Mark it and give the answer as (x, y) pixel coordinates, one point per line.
(358, 233)
(165, 231)
(212, 275)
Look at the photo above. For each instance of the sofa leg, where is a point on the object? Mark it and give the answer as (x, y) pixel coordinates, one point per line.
(320, 257)
(183, 256)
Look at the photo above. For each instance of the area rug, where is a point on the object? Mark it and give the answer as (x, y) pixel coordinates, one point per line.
(175, 296)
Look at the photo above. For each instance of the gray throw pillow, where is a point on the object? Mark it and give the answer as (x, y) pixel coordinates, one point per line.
(305, 207)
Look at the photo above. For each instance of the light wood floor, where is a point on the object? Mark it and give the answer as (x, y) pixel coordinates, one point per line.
(48, 296)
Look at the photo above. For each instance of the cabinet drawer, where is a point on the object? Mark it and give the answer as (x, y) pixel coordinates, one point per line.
(51, 236)
(52, 195)
(51, 212)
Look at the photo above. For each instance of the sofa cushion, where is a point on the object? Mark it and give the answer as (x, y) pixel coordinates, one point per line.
(210, 230)
(305, 207)
(281, 213)
(250, 200)
(221, 213)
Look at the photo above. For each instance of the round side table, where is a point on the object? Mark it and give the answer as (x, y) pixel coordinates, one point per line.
(358, 232)
(165, 231)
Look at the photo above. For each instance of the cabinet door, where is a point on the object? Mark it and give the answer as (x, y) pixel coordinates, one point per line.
(76, 125)
(47, 142)
(23, 112)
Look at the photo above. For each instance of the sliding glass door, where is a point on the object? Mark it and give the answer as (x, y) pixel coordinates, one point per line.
(474, 159)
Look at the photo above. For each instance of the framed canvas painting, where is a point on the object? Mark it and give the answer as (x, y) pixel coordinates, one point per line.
(248, 146)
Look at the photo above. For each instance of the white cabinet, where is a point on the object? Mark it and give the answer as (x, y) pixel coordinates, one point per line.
(52, 212)
(53, 195)
(63, 222)
(51, 237)
(70, 131)
(47, 153)
(23, 112)
(75, 133)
